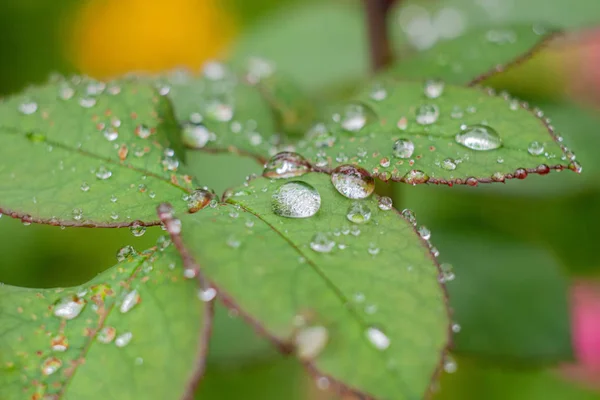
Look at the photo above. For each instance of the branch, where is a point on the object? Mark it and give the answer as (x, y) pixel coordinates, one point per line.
(379, 43)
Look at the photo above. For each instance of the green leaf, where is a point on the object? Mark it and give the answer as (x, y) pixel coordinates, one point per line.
(248, 113)
(472, 57)
(114, 334)
(86, 153)
(475, 380)
(397, 133)
(371, 291)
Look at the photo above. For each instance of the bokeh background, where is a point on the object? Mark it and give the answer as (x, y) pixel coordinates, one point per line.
(525, 253)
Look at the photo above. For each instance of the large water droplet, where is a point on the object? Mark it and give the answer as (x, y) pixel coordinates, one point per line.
(286, 165)
(479, 137)
(378, 338)
(353, 182)
(199, 199)
(385, 203)
(129, 301)
(322, 243)
(535, 148)
(70, 307)
(296, 199)
(403, 148)
(310, 342)
(358, 213)
(427, 114)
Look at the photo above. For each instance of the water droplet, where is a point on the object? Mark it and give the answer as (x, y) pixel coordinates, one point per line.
(110, 134)
(69, 307)
(358, 213)
(77, 214)
(354, 117)
(353, 182)
(233, 242)
(123, 339)
(126, 252)
(575, 166)
(373, 249)
(84, 187)
(87, 102)
(51, 365)
(129, 301)
(447, 272)
(322, 243)
(259, 69)
(424, 232)
(207, 294)
(535, 148)
(450, 365)
(456, 327)
(286, 165)
(410, 216)
(501, 36)
(403, 148)
(378, 92)
(137, 228)
(103, 173)
(378, 338)
(220, 109)
(66, 92)
(384, 162)
(59, 343)
(427, 114)
(310, 342)
(320, 136)
(196, 136)
(142, 131)
(433, 89)
(415, 176)
(479, 137)
(113, 199)
(448, 164)
(199, 199)
(106, 334)
(456, 113)
(296, 199)
(385, 203)
(170, 162)
(28, 108)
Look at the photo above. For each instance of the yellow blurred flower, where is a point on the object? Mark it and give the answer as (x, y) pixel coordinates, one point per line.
(112, 37)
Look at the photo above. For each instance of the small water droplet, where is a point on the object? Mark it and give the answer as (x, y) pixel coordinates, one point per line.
(286, 165)
(322, 243)
(385, 203)
(137, 228)
(410, 216)
(207, 294)
(456, 113)
(447, 272)
(427, 114)
(123, 339)
(66, 92)
(378, 338)
(501, 36)
(129, 301)
(535, 148)
(456, 327)
(296, 199)
(384, 162)
(106, 334)
(448, 164)
(87, 102)
(433, 89)
(479, 137)
(415, 177)
(354, 117)
(103, 173)
(28, 107)
(199, 199)
(358, 213)
(378, 92)
(110, 134)
(51, 365)
(233, 242)
(353, 182)
(196, 136)
(69, 307)
(126, 252)
(424, 232)
(373, 249)
(310, 342)
(403, 148)
(450, 365)
(142, 131)
(320, 136)
(84, 187)
(59, 343)
(77, 214)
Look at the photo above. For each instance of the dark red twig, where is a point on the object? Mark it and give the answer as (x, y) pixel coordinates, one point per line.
(379, 42)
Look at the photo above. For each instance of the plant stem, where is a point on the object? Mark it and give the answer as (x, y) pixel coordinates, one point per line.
(379, 43)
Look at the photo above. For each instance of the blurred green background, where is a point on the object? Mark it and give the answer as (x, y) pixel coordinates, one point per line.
(516, 248)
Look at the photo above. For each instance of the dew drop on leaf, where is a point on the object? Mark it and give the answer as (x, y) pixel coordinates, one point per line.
(310, 342)
(77, 214)
(378, 92)
(84, 187)
(196, 136)
(535, 148)
(385, 203)
(129, 301)
(199, 199)
(51, 365)
(424, 232)
(142, 131)
(358, 213)
(456, 327)
(448, 164)
(296, 199)
(403, 148)
(427, 114)
(207, 294)
(353, 182)
(447, 272)
(87, 102)
(450, 365)
(69, 307)
(320, 136)
(479, 137)
(354, 117)
(233, 242)
(59, 343)
(110, 134)
(377, 338)
(322, 243)
(123, 339)
(415, 176)
(28, 108)
(137, 228)
(125, 252)
(373, 249)
(103, 173)
(433, 89)
(286, 165)
(106, 334)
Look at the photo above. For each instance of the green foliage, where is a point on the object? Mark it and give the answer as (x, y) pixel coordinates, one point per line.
(305, 260)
